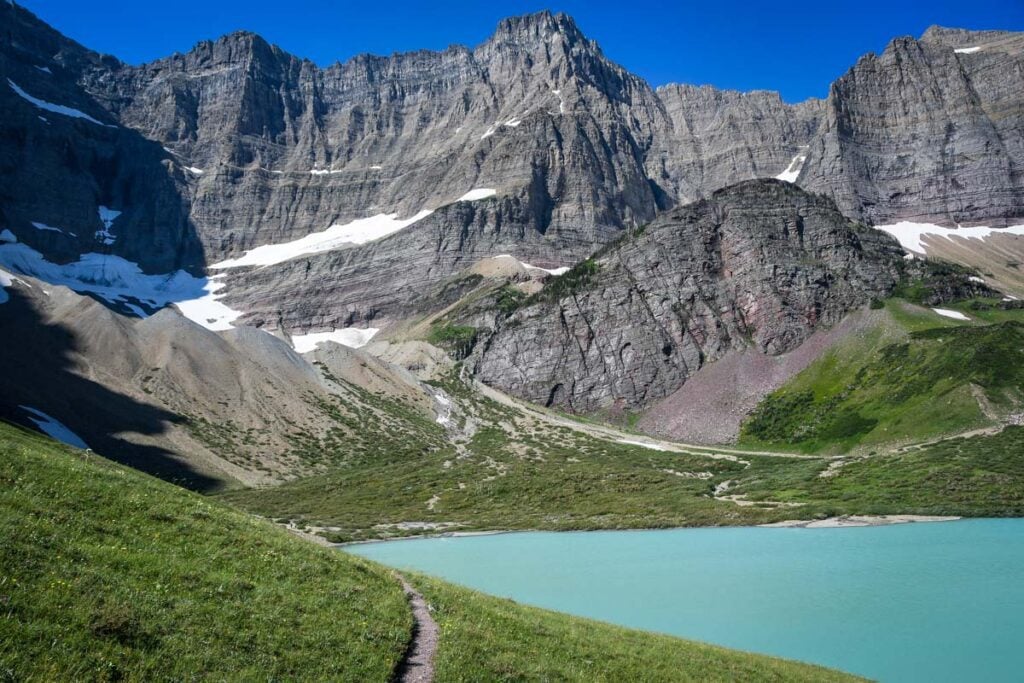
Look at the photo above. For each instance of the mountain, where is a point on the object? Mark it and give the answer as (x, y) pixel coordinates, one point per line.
(761, 264)
(205, 409)
(533, 143)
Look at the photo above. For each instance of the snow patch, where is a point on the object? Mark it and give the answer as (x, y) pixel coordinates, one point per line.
(376, 167)
(792, 171)
(7, 280)
(489, 132)
(644, 444)
(478, 193)
(910, 234)
(123, 284)
(955, 315)
(561, 101)
(967, 50)
(325, 171)
(44, 69)
(7, 236)
(54, 428)
(359, 231)
(553, 271)
(349, 336)
(45, 227)
(55, 108)
(107, 216)
(193, 169)
(513, 122)
(975, 278)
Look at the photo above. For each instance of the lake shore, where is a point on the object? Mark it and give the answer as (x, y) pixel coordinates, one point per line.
(857, 521)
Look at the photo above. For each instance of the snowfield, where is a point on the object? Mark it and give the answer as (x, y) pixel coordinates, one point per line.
(349, 336)
(910, 234)
(792, 171)
(122, 283)
(476, 194)
(359, 231)
(955, 315)
(55, 108)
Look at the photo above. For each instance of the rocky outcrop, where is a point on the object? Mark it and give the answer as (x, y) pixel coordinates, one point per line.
(762, 264)
(62, 157)
(931, 130)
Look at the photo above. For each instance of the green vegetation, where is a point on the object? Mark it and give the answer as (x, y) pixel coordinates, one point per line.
(518, 472)
(980, 476)
(939, 380)
(458, 340)
(508, 299)
(109, 574)
(491, 639)
(552, 478)
(929, 277)
(574, 280)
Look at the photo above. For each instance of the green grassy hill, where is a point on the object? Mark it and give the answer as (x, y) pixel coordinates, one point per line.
(939, 378)
(493, 639)
(109, 574)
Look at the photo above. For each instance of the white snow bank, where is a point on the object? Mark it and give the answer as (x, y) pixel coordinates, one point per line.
(122, 283)
(193, 169)
(489, 132)
(358, 231)
(6, 280)
(910, 234)
(55, 108)
(967, 50)
(478, 193)
(44, 69)
(325, 171)
(108, 216)
(45, 227)
(348, 336)
(553, 271)
(54, 428)
(955, 315)
(652, 446)
(513, 122)
(792, 171)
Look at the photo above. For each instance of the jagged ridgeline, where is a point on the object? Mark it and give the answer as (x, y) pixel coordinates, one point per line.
(553, 149)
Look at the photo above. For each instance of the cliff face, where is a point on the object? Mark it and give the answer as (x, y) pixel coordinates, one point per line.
(759, 264)
(62, 157)
(238, 144)
(931, 130)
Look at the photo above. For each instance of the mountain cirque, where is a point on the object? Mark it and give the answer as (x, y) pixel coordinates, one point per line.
(532, 144)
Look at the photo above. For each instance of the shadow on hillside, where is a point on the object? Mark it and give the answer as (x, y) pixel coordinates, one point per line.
(36, 370)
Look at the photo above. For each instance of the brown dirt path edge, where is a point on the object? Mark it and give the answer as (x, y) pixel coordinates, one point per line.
(417, 665)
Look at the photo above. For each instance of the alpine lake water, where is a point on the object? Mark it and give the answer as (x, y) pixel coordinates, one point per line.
(910, 602)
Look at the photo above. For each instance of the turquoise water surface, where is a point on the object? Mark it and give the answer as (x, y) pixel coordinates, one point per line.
(914, 602)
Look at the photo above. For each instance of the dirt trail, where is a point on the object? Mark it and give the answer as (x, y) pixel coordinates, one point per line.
(417, 666)
(611, 434)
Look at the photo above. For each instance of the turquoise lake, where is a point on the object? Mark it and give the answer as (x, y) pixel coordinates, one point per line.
(913, 602)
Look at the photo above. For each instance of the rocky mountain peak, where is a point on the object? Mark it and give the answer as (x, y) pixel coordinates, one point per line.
(539, 26)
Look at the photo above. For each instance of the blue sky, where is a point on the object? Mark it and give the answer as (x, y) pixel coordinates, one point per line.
(796, 47)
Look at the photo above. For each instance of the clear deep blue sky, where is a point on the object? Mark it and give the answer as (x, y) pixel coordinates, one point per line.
(796, 47)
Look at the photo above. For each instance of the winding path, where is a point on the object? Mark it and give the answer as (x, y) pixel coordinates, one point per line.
(417, 665)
